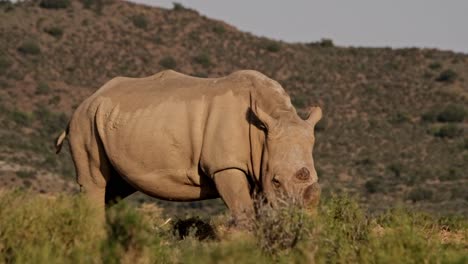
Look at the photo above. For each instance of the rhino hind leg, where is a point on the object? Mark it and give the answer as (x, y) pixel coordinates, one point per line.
(233, 187)
(117, 189)
(93, 169)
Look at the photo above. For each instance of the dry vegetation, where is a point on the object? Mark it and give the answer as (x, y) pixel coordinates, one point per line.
(46, 229)
(395, 120)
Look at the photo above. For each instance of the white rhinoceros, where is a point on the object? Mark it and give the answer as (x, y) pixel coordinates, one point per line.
(182, 138)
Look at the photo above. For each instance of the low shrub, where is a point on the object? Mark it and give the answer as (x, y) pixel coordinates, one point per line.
(435, 65)
(54, 31)
(203, 59)
(88, 3)
(54, 4)
(42, 88)
(195, 226)
(177, 6)
(129, 235)
(419, 194)
(95, 5)
(21, 118)
(451, 175)
(168, 62)
(447, 76)
(452, 113)
(64, 229)
(448, 131)
(41, 230)
(373, 185)
(396, 169)
(51, 122)
(55, 100)
(25, 174)
(219, 29)
(4, 63)
(399, 118)
(272, 46)
(29, 47)
(140, 21)
(326, 43)
(280, 228)
(429, 116)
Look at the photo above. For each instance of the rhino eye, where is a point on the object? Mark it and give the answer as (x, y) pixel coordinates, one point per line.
(276, 182)
(303, 174)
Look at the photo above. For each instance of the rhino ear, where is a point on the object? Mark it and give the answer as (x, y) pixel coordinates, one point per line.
(261, 118)
(315, 115)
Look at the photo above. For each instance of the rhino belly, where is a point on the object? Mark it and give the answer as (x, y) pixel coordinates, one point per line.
(157, 150)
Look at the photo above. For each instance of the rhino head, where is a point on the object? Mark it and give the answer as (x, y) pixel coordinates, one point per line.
(288, 170)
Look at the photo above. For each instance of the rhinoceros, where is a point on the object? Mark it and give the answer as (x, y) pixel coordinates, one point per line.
(182, 138)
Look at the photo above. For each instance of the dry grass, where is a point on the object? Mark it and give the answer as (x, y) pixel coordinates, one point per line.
(45, 229)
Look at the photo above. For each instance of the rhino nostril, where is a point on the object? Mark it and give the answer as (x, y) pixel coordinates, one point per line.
(303, 174)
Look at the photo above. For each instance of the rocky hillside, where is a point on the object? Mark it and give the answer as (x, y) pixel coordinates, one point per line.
(395, 126)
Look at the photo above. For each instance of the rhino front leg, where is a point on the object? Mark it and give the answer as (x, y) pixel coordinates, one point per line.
(233, 187)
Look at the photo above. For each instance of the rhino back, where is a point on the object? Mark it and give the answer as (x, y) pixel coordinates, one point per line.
(170, 125)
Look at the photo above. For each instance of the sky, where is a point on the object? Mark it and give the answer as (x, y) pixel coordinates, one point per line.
(441, 24)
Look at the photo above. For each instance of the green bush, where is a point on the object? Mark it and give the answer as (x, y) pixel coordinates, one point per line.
(452, 113)
(20, 118)
(40, 230)
(54, 31)
(452, 175)
(95, 5)
(29, 47)
(419, 194)
(88, 3)
(399, 118)
(168, 62)
(396, 169)
(25, 174)
(280, 228)
(54, 4)
(219, 29)
(140, 21)
(448, 76)
(129, 235)
(271, 46)
(203, 59)
(4, 63)
(448, 131)
(374, 185)
(326, 43)
(51, 122)
(429, 116)
(42, 88)
(55, 100)
(435, 65)
(177, 6)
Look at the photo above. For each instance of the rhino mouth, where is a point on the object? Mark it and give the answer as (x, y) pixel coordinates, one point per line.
(311, 195)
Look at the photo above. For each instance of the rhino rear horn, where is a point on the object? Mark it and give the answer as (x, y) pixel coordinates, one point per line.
(315, 115)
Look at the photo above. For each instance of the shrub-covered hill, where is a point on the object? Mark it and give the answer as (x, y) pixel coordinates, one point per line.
(395, 126)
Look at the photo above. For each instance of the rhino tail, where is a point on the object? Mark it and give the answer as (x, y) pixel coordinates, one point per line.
(59, 140)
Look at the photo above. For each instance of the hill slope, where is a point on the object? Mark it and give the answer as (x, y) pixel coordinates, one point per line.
(395, 120)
